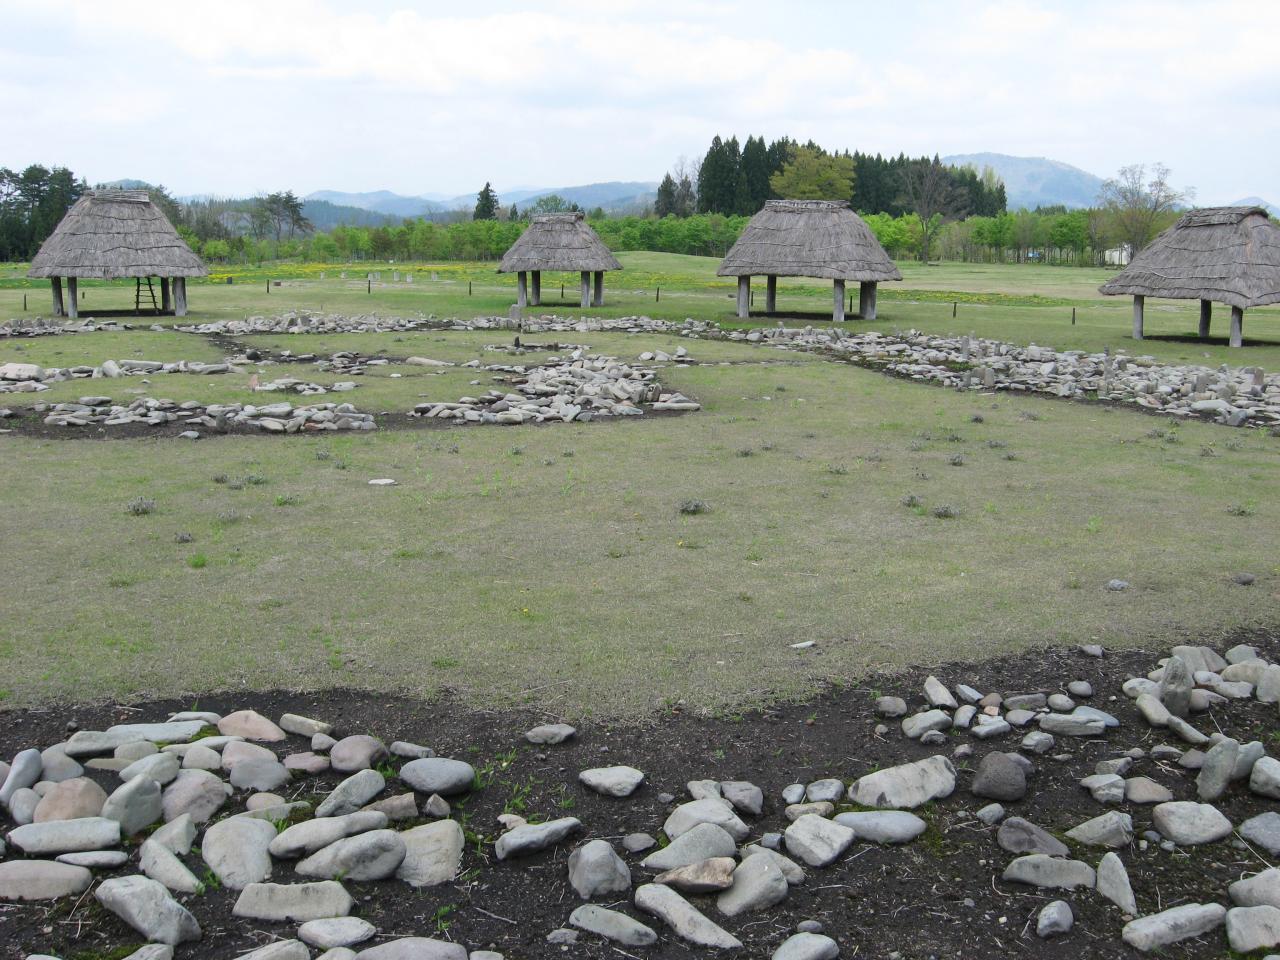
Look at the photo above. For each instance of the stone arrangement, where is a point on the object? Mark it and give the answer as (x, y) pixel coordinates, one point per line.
(147, 411)
(302, 322)
(31, 378)
(147, 814)
(1236, 396)
(582, 387)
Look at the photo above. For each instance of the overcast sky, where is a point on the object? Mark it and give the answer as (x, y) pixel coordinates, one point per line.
(235, 98)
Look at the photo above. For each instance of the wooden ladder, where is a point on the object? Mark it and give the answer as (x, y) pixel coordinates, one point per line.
(137, 295)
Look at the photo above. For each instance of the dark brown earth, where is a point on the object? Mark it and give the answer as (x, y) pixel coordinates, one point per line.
(938, 897)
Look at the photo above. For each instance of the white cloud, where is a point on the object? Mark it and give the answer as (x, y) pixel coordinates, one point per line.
(240, 96)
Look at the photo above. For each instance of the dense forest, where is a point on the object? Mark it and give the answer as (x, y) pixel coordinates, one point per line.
(737, 180)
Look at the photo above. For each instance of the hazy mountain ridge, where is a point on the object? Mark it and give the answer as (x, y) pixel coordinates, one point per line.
(612, 195)
(1032, 182)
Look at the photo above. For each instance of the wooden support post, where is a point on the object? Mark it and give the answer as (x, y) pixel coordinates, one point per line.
(868, 287)
(522, 290)
(73, 296)
(179, 296)
(597, 298)
(837, 298)
(585, 299)
(771, 294)
(166, 302)
(1138, 301)
(1237, 327)
(1206, 317)
(744, 297)
(536, 277)
(55, 283)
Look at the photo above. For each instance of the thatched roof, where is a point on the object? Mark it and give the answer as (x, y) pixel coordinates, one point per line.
(559, 241)
(1227, 254)
(808, 238)
(115, 233)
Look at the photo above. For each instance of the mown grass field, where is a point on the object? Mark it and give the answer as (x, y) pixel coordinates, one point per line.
(550, 565)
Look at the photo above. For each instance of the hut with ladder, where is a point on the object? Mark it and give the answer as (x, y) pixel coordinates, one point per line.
(1227, 254)
(112, 235)
(561, 242)
(809, 238)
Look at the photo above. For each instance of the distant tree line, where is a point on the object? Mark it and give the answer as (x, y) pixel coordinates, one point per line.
(940, 212)
(31, 204)
(737, 180)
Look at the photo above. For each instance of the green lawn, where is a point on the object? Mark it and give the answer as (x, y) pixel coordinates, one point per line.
(1015, 302)
(550, 565)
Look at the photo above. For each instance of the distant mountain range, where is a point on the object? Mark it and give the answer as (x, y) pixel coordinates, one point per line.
(1271, 208)
(614, 196)
(1032, 182)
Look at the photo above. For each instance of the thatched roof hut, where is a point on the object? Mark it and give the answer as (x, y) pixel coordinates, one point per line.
(1228, 254)
(114, 234)
(809, 238)
(561, 242)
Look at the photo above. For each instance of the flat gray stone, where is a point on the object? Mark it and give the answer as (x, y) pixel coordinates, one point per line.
(42, 880)
(375, 855)
(160, 864)
(710, 810)
(147, 907)
(828, 790)
(1054, 920)
(683, 918)
(95, 859)
(703, 842)
(279, 950)
(353, 793)
(531, 838)
(236, 850)
(1262, 888)
(414, 948)
(303, 726)
(1217, 770)
(433, 854)
(66, 836)
(1188, 823)
(293, 902)
(550, 734)
(758, 884)
(918, 724)
(1112, 830)
(746, 797)
(618, 781)
(438, 775)
(807, 946)
(1253, 928)
(816, 840)
(883, 826)
(1017, 835)
(332, 932)
(160, 767)
(23, 773)
(612, 925)
(1264, 779)
(596, 869)
(1179, 923)
(307, 837)
(196, 792)
(1038, 870)
(1113, 884)
(1263, 831)
(907, 786)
